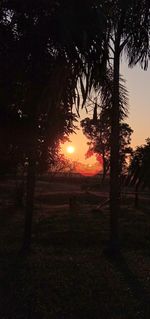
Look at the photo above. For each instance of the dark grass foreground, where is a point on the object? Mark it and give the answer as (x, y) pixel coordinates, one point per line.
(67, 274)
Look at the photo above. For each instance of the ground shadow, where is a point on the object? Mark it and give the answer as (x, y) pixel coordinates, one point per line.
(137, 289)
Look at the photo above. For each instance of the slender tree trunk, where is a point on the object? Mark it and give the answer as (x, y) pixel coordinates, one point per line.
(29, 201)
(104, 171)
(114, 156)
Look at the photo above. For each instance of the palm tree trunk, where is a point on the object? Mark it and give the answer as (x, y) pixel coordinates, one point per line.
(29, 201)
(114, 156)
(104, 170)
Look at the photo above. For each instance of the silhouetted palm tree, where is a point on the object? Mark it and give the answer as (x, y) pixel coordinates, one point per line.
(54, 45)
(128, 33)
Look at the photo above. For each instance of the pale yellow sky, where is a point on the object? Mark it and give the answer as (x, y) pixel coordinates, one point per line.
(138, 85)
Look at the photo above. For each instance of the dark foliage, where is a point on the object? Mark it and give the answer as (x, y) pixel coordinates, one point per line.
(139, 171)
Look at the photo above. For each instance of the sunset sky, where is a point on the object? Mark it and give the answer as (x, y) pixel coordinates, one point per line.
(138, 85)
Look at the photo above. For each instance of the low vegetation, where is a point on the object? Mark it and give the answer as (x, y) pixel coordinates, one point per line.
(68, 273)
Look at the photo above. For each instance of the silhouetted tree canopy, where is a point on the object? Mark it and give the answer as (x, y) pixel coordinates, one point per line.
(52, 45)
(98, 134)
(43, 43)
(139, 170)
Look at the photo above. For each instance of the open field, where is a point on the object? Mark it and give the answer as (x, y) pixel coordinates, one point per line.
(67, 274)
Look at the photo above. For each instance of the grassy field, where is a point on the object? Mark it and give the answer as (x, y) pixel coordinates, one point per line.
(67, 274)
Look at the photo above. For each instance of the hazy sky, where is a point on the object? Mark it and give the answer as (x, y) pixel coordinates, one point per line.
(138, 85)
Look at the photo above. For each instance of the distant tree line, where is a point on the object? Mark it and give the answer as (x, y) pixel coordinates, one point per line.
(139, 170)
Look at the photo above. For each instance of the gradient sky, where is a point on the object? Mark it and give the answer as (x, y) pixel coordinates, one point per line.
(138, 85)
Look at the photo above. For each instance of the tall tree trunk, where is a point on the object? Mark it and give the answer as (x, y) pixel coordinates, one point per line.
(104, 170)
(114, 156)
(29, 201)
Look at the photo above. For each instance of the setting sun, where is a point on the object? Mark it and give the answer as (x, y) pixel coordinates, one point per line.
(70, 149)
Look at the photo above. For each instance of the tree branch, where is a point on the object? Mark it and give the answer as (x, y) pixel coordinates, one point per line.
(124, 43)
(111, 48)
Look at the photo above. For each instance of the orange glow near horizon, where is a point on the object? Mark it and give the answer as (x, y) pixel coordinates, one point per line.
(76, 151)
(88, 169)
